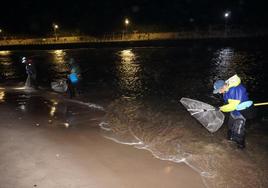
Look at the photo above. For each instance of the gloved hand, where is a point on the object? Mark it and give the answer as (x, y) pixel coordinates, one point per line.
(217, 109)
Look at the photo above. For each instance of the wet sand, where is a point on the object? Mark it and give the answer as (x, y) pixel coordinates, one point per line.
(174, 135)
(38, 149)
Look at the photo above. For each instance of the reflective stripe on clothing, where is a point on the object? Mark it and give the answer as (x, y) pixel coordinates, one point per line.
(244, 105)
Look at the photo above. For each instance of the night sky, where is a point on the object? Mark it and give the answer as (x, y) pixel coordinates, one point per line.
(92, 16)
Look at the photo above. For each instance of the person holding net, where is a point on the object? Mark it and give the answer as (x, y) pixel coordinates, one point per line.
(238, 105)
(31, 72)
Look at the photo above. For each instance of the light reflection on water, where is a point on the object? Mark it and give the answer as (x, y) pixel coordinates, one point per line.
(128, 71)
(59, 56)
(229, 61)
(168, 72)
(159, 72)
(5, 53)
(223, 63)
(6, 67)
(2, 96)
(59, 60)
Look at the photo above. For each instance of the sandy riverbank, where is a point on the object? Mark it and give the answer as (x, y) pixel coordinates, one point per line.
(38, 149)
(174, 135)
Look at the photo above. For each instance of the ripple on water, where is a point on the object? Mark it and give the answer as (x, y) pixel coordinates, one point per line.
(176, 137)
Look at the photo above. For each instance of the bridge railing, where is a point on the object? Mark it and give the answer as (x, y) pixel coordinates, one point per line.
(121, 37)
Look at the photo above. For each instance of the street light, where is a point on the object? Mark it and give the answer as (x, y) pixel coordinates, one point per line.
(1, 31)
(227, 14)
(55, 27)
(126, 23)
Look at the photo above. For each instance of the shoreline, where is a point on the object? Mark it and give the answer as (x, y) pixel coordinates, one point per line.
(170, 134)
(39, 153)
(34, 132)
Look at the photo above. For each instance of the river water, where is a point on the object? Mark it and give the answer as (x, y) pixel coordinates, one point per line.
(140, 89)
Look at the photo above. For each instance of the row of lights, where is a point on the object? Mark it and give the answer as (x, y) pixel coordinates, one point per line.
(126, 21)
(56, 27)
(226, 16)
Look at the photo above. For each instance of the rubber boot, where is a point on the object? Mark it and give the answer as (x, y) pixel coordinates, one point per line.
(229, 135)
(241, 144)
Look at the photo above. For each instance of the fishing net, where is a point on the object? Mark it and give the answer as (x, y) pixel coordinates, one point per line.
(206, 114)
(59, 86)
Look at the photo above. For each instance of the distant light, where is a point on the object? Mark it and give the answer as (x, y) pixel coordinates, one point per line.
(55, 26)
(1, 30)
(227, 14)
(126, 21)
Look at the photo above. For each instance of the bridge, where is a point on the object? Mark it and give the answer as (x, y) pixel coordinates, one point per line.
(10, 42)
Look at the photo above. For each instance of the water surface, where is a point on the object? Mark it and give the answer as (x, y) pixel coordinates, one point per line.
(140, 89)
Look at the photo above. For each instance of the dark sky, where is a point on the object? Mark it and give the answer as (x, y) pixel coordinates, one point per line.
(93, 16)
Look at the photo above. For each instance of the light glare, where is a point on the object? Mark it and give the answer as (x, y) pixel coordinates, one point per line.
(126, 21)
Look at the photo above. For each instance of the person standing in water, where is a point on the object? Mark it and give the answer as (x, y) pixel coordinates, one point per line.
(238, 105)
(73, 78)
(31, 72)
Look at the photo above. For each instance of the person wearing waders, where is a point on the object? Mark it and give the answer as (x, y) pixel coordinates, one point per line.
(235, 97)
(73, 79)
(31, 72)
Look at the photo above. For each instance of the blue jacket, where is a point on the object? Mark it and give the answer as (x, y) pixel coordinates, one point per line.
(237, 93)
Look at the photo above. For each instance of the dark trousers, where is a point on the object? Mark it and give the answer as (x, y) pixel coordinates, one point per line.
(73, 89)
(236, 129)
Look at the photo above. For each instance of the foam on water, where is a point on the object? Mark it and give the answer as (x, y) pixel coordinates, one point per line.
(126, 139)
(88, 104)
(105, 126)
(129, 138)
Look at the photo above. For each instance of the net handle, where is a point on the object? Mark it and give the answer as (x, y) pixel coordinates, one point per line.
(261, 104)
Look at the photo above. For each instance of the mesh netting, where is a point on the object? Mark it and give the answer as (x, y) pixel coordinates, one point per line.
(212, 120)
(59, 86)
